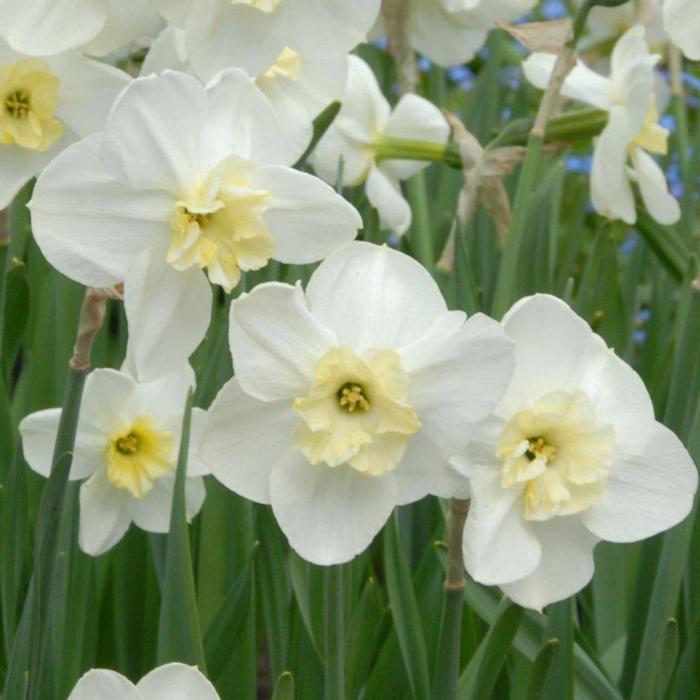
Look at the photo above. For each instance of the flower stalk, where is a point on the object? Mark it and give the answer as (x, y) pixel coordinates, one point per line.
(447, 669)
(334, 633)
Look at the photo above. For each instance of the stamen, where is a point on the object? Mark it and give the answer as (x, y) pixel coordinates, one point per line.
(18, 104)
(352, 396)
(128, 444)
(538, 448)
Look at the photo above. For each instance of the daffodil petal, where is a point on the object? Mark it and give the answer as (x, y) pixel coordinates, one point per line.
(176, 681)
(105, 685)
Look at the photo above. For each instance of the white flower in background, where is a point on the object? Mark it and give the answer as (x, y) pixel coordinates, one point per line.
(98, 27)
(126, 449)
(621, 154)
(183, 179)
(47, 103)
(298, 87)
(169, 682)
(363, 121)
(253, 34)
(682, 22)
(449, 32)
(572, 455)
(349, 398)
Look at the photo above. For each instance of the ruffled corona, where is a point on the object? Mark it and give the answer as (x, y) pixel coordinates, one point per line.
(29, 92)
(138, 456)
(220, 226)
(262, 5)
(559, 452)
(357, 412)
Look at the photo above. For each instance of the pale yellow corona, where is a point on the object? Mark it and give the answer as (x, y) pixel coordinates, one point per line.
(220, 226)
(357, 412)
(558, 453)
(653, 137)
(263, 5)
(138, 456)
(287, 66)
(29, 93)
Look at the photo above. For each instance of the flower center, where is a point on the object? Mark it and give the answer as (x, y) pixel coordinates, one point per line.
(263, 5)
(287, 65)
(652, 137)
(340, 424)
(558, 453)
(29, 92)
(138, 456)
(220, 226)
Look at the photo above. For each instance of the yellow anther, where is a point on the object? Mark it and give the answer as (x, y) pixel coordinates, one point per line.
(352, 396)
(539, 449)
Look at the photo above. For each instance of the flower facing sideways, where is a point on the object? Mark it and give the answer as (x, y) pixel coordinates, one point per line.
(45, 105)
(349, 399)
(571, 455)
(632, 131)
(366, 119)
(126, 449)
(184, 180)
(173, 681)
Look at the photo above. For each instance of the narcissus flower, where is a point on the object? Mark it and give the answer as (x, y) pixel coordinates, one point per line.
(183, 179)
(571, 455)
(45, 105)
(449, 32)
(49, 27)
(349, 399)
(364, 121)
(170, 682)
(126, 449)
(621, 154)
(682, 22)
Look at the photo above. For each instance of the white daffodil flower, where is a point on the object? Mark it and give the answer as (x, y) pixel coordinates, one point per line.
(349, 398)
(682, 22)
(126, 450)
(363, 121)
(169, 682)
(98, 27)
(254, 34)
(449, 32)
(46, 105)
(183, 179)
(621, 154)
(572, 455)
(298, 87)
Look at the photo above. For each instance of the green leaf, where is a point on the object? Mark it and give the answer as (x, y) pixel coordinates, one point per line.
(284, 688)
(540, 670)
(404, 609)
(179, 634)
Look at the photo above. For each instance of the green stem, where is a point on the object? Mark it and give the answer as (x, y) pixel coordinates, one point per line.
(334, 633)
(446, 677)
(420, 233)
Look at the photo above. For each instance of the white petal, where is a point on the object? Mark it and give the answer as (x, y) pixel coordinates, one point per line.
(175, 11)
(416, 119)
(554, 349)
(152, 512)
(127, 21)
(581, 84)
(99, 684)
(682, 22)
(374, 297)
(499, 545)
(241, 121)
(565, 568)
(384, 193)
(168, 51)
(87, 91)
(153, 137)
(38, 431)
(168, 313)
(660, 203)
(307, 217)
(440, 35)
(196, 466)
(104, 514)
(462, 382)
(276, 342)
(46, 27)
(329, 515)
(244, 438)
(88, 225)
(611, 192)
(20, 165)
(176, 682)
(650, 489)
(221, 34)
